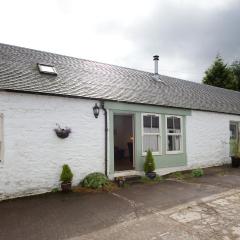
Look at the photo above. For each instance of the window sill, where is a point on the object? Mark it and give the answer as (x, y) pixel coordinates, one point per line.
(173, 152)
(153, 153)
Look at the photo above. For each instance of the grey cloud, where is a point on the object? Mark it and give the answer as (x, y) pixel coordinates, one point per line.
(195, 34)
(192, 34)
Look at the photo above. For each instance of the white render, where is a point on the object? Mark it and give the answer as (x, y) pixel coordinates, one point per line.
(208, 138)
(34, 155)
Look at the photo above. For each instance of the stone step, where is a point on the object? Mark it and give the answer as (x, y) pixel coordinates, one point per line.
(134, 179)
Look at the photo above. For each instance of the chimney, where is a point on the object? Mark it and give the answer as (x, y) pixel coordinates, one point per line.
(155, 59)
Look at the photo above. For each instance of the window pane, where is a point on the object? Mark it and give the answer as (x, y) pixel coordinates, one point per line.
(233, 131)
(177, 123)
(155, 122)
(151, 124)
(170, 122)
(174, 143)
(173, 125)
(147, 124)
(150, 142)
(146, 121)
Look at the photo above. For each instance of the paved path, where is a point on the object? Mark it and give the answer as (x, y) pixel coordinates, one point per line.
(204, 208)
(216, 217)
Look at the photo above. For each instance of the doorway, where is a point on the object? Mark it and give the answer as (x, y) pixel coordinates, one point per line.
(123, 142)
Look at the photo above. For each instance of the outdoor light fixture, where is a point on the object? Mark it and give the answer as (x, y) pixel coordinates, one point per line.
(96, 109)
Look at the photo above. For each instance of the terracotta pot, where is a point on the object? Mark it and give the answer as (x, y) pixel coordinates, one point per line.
(66, 187)
(151, 175)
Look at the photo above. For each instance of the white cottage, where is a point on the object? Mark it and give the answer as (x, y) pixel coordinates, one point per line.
(115, 115)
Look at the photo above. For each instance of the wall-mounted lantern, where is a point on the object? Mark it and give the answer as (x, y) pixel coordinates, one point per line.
(96, 109)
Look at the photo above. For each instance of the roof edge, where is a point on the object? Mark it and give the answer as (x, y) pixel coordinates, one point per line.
(110, 100)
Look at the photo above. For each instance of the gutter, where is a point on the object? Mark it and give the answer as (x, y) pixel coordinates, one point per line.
(106, 137)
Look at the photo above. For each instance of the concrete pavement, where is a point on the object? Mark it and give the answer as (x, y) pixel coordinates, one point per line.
(168, 210)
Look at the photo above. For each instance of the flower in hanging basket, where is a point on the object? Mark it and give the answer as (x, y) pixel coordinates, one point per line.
(62, 132)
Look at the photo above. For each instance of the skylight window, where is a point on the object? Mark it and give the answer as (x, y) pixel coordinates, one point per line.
(47, 69)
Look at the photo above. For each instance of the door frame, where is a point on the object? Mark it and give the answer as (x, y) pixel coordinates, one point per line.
(134, 142)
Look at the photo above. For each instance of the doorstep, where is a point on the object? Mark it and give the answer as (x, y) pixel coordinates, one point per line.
(127, 173)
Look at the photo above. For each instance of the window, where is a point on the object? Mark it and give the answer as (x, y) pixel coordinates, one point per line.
(174, 134)
(233, 131)
(47, 69)
(151, 133)
(1, 137)
(234, 136)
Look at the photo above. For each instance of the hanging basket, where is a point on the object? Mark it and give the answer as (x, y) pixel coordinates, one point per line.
(62, 132)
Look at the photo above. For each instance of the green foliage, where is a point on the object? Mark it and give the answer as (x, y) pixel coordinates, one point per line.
(177, 175)
(235, 148)
(157, 179)
(197, 172)
(95, 180)
(149, 165)
(220, 75)
(55, 190)
(235, 67)
(66, 175)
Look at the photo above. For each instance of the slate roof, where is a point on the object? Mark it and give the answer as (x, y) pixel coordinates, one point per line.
(89, 79)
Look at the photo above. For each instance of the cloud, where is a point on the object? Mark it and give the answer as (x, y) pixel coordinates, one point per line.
(186, 34)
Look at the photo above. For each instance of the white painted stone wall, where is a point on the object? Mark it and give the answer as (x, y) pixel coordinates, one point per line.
(208, 138)
(34, 155)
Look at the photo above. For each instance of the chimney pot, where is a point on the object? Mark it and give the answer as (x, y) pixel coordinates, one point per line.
(155, 59)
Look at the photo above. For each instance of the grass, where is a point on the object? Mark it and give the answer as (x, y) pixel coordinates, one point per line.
(197, 172)
(147, 180)
(179, 175)
(55, 190)
(109, 187)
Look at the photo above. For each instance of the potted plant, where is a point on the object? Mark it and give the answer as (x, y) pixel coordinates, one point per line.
(66, 178)
(120, 181)
(149, 165)
(235, 154)
(62, 132)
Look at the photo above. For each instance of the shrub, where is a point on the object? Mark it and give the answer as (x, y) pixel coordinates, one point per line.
(66, 175)
(157, 179)
(197, 172)
(149, 165)
(95, 180)
(55, 190)
(177, 175)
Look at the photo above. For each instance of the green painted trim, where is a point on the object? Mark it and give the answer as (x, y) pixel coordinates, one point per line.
(146, 108)
(162, 161)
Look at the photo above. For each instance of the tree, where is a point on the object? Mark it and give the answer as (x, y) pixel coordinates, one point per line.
(235, 67)
(220, 75)
(149, 165)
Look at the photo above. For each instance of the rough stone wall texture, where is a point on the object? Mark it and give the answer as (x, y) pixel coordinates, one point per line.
(34, 155)
(208, 138)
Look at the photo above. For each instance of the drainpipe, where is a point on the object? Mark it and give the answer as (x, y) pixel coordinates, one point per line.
(106, 136)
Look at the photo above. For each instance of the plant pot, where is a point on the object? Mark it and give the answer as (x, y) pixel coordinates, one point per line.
(121, 183)
(235, 162)
(62, 132)
(151, 175)
(66, 187)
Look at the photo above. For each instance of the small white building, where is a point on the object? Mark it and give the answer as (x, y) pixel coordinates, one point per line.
(185, 124)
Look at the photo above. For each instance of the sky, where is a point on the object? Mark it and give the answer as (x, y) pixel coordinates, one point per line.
(186, 34)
